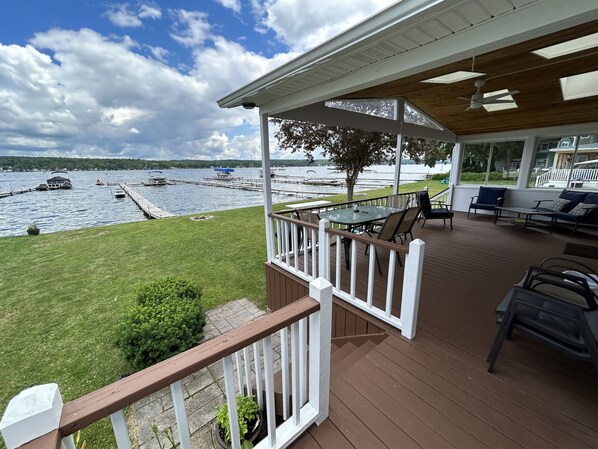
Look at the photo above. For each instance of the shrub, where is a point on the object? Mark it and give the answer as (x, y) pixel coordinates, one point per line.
(167, 319)
(440, 176)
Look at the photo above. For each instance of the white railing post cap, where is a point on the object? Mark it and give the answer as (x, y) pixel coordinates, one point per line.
(30, 414)
(319, 283)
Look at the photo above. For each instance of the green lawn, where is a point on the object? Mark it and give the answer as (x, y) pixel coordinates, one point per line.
(63, 294)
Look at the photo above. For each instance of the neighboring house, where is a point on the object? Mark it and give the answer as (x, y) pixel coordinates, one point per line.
(432, 391)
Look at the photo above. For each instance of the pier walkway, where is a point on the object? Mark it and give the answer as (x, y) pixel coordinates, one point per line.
(148, 208)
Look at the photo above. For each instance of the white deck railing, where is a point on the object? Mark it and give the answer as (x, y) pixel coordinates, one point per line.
(37, 418)
(562, 175)
(306, 250)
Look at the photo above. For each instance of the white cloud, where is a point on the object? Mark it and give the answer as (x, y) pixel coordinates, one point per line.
(190, 28)
(147, 11)
(234, 5)
(305, 24)
(123, 15)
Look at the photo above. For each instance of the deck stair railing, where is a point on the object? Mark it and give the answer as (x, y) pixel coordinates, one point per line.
(306, 250)
(37, 418)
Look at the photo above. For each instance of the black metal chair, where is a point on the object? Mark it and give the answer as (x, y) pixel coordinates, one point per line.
(441, 211)
(555, 307)
(488, 198)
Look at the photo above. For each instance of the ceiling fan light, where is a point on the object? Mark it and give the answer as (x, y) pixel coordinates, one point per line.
(566, 48)
(490, 107)
(453, 77)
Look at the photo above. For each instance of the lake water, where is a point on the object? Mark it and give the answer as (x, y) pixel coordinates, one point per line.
(88, 205)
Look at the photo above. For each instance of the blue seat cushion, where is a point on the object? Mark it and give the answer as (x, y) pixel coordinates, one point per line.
(574, 197)
(483, 206)
(490, 195)
(440, 212)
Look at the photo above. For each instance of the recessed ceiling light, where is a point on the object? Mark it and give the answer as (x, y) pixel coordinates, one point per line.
(572, 46)
(453, 77)
(499, 106)
(580, 86)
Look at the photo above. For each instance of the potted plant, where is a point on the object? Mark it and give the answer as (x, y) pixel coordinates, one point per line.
(250, 422)
(33, 229)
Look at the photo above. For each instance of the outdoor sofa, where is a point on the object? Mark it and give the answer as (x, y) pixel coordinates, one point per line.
(573, 207)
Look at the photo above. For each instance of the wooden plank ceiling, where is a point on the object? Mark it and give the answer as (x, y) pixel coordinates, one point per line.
(540, 101)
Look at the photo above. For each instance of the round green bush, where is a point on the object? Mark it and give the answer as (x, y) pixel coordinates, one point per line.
(167, 319)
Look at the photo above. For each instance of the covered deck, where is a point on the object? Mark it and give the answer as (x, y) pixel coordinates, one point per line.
(434, 391)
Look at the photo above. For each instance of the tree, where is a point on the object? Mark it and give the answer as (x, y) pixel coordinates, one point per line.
(426, 151)
(350, 150)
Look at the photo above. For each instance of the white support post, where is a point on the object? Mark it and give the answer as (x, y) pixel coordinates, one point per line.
(178, 401)
(399, 115)
(411, 287)
(320, 332)
(265, 138)
(456, 159)
(324, 250)
(30, 414)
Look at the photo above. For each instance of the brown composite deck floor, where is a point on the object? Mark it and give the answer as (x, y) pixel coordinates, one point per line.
(434, 391)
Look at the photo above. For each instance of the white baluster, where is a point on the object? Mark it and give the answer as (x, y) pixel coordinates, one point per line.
(295, 232)
(305, 250)
(284, 356)
(295, 388)
(239, 372)
(178, 400)
(337, 280)
(324, 247)
(303, 361)
(258, 375)
(247, 370)
(390, 282)
(315, 249)
(278, 242)
(287, 243)
(269, 375)
(371, 268)
(231, 401)
(121, 433)
(353, 267)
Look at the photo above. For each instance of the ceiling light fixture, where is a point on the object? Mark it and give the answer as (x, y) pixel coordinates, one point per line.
(580, 86)
(566, 48)
(453, 77)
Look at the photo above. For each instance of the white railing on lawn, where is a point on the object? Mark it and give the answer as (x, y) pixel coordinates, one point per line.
(37, 418)
(306, 250)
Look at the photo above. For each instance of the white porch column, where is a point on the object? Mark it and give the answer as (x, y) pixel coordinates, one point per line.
(267, 185)
(400, 117)
(456, 160)
(527, 160)
(30, 414)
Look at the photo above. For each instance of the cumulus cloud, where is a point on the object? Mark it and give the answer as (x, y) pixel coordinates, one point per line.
(190, 28)
(234, 5)
(303, 25)
(81, 93)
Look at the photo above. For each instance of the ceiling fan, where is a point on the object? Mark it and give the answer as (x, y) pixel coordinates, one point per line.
(477, 100)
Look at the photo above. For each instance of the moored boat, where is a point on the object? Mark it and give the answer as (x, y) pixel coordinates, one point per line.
(42, 187)
(119, 193)
(58, 181)
(156, 178)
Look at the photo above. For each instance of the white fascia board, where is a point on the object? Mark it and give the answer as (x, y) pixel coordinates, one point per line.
(372, 26)
(538, 19)
(549, 131)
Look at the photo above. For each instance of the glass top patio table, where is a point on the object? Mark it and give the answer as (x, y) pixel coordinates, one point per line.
(351, 218)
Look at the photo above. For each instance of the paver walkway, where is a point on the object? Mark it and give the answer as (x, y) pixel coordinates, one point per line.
(203, 390)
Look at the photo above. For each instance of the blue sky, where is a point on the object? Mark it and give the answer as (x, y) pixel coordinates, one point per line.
(80, 78)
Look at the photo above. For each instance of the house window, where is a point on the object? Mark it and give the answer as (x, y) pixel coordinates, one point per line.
(491, 163)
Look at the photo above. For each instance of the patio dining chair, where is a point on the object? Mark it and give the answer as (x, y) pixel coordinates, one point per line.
(406, 224)
(431, 210)
(387, 232)
(554, 307)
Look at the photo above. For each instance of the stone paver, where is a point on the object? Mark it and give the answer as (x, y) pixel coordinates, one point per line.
(203, 390)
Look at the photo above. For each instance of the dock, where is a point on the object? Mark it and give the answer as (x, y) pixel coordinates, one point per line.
(148, 208)
(257, 186)
(15, 192)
